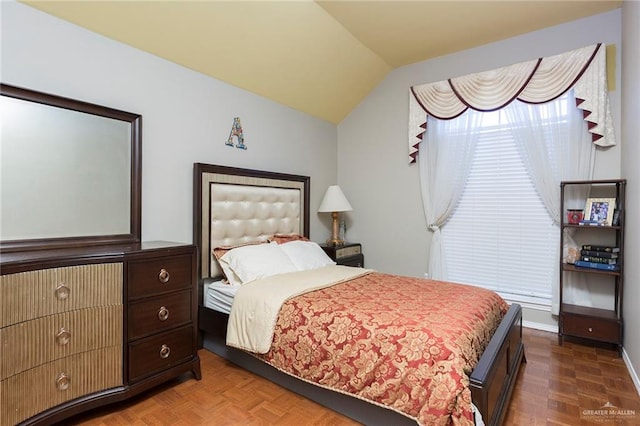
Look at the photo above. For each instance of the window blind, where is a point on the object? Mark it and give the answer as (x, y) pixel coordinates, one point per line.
(500, 236)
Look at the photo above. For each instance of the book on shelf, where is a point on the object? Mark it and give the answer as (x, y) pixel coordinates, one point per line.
(593, 223)
(607, 249)
(605, 254)
(594, 265)
(599, 260)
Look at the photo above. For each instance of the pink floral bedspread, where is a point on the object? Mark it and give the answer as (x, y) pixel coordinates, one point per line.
(405, 343)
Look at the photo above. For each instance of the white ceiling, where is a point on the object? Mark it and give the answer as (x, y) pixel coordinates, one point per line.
(319, 57)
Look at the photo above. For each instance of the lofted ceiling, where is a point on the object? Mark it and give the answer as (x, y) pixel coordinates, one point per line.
(319, 57)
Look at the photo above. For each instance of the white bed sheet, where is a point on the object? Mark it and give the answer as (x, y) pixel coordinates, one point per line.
(219, 296)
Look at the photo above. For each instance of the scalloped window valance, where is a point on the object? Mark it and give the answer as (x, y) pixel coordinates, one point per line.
(535, 82)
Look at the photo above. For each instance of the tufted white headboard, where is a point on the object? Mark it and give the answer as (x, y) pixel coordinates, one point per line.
(235, 206)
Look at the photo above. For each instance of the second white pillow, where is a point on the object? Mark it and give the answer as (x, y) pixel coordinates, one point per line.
(306, 255)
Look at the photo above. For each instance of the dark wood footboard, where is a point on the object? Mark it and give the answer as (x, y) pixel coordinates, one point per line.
(495, 375)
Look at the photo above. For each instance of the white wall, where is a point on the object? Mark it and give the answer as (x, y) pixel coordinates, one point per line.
(630, 160)
(186, 115)
(373, 169)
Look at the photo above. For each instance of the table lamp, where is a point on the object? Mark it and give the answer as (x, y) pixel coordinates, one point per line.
(334, 202)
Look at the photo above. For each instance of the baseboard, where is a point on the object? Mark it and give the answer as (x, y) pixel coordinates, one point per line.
(632, 372)
(540, 326)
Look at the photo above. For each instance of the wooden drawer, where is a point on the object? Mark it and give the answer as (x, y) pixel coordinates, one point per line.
(591, 328)
(36, 342)
(158, 275)
(357, 261)
(159, 352)
(149, 316)
(35, 390)
(36, 294)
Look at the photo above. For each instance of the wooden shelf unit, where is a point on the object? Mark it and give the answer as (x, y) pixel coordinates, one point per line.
(596, 324)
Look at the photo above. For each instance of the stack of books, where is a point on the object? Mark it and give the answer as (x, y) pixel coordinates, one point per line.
(599, 257)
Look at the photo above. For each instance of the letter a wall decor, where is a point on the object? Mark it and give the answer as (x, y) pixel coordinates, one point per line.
(236, 130)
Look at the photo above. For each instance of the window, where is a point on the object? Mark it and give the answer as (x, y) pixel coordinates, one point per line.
(500, 235)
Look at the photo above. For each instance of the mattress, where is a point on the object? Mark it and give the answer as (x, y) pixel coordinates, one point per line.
(219, 296)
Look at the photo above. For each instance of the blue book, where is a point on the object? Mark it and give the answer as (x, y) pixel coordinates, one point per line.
(594, 265)
(592, 223)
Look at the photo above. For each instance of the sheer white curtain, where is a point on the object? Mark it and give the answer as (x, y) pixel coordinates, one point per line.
(444, 162)
(538, 82)
(554, 150)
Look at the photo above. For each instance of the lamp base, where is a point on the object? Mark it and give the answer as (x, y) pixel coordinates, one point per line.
(335, 237)
(334, 242)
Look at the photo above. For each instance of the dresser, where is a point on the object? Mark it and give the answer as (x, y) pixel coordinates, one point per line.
(83, 327)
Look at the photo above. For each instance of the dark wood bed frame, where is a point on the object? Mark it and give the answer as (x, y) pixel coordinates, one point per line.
(491, 382)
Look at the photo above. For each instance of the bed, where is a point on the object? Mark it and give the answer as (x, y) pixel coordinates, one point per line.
(240, 211)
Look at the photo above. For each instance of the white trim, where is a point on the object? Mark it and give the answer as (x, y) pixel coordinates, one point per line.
(553, 328)
(540, 326)
(632, 372)
(529, 305)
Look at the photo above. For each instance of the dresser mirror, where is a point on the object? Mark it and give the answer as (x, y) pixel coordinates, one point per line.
(70, 172)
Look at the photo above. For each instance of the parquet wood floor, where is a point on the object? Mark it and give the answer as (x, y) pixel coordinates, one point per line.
(559, 385)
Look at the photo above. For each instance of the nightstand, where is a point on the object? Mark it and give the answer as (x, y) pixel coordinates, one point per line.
(348, 254)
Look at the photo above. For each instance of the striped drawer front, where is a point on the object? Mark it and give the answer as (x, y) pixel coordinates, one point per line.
(28, 393)
(39, 341)
(35, 294)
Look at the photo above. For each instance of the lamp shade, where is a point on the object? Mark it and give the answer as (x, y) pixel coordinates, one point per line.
(334, 201)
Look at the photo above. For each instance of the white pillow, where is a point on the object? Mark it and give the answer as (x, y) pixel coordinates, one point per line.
(231, 276)
(306, 255)
(252, 262)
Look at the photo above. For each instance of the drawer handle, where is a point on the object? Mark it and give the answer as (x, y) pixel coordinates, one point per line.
(163, 313)
(63, 336)
(163, 276)
(63, 382)
(590, 329)
(62, 291)
(165, 351)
